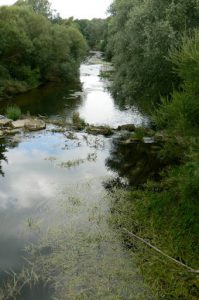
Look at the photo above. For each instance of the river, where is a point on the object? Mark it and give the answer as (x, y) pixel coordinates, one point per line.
(54, 208)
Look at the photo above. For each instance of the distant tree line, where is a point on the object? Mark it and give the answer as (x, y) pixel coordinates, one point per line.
(96, 33)
(36, 47)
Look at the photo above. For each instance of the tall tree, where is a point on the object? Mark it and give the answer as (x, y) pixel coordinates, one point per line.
(42, 7)
(141, 34)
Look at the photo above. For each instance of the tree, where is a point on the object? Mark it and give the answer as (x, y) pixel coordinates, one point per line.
(141, 34)
(34, 50)
(42, 7)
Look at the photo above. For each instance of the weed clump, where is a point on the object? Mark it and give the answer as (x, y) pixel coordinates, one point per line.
(13, 112)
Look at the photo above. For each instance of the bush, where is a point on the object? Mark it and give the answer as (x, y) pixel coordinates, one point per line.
(181, 112)
(13, 112)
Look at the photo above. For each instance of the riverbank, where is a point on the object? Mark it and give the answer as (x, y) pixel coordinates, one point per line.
(163, 211)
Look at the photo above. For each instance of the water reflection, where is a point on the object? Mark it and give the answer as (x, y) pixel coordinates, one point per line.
(98, 106)
(90, 97)
(50, 100)
(137, 162)
(41, 172)
(34, 180)
(2, 156)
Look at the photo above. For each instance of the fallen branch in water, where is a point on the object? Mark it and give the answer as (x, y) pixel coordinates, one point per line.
(159, 251)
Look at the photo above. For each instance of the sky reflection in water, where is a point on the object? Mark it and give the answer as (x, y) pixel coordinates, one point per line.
(34, 181)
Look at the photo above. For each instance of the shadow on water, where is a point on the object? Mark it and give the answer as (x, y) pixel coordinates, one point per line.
(4, 146)
(39, 291)
(137, 161)
(49, 99)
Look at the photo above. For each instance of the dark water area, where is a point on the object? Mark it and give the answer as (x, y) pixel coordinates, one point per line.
(51, 99)
(136, 162)
(52, 194)
(40, 291)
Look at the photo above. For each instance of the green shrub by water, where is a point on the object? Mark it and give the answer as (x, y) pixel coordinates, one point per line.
(180, 113)
(13, 113)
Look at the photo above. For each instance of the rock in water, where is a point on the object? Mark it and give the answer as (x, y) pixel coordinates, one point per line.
(35, 124)
(103, 130)
(19, 123)
(5, 122)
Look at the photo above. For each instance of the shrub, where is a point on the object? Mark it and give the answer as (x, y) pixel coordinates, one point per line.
(181, 112)
(13, 112)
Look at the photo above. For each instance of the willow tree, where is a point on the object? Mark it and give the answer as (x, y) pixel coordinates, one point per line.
(141, 34)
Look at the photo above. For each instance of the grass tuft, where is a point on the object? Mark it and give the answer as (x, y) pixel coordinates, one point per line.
(13, 112)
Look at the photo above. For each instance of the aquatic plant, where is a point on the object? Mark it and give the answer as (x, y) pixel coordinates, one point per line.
(71, 163)
(80, 260)
(91, 157)
(78, 122)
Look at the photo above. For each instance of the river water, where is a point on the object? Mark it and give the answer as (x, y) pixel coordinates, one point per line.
(53, 205)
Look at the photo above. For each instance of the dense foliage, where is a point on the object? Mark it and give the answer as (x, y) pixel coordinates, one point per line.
(95, 31)
(141, 34)
(155, 46)
(181, 112)
(34, 49)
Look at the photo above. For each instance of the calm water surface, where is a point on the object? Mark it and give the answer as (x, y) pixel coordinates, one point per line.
(49, 181)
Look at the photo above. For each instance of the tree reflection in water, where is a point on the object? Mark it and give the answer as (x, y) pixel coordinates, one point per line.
(2, 155)
(135, 161)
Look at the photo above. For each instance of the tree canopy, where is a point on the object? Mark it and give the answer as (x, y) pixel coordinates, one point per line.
(34, 50)
(141, 35)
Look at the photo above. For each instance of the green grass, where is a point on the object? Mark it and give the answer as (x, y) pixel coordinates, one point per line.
(13, 112)
(166, 214)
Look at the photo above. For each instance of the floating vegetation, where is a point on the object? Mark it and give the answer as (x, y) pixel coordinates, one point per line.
(92, 157)
(71, 163)
(74, 201)
(51, 158)
(81, 259)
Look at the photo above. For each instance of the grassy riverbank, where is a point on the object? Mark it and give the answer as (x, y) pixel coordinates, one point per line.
(165, 211)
